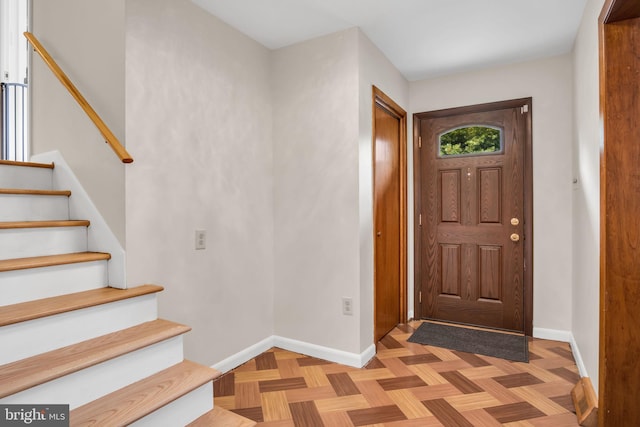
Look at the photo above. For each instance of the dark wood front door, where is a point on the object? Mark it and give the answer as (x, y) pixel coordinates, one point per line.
(470, 191)
(389, 201)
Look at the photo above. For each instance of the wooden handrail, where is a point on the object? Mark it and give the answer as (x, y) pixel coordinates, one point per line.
(109, 137)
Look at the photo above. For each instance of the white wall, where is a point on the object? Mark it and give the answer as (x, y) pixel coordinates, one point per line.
(549, 82)
(315, 123)
(199, 123)
(86, 38)
(586, 194)
(375, 69)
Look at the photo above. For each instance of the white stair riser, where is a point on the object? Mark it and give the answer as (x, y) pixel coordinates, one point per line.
(181, 411)
(31, 242)
(37, 336)
(83, 386)
(26, 177)
(22, 207)
(37, 283)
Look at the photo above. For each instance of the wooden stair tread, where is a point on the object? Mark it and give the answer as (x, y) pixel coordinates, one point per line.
(221, 417)
(50, 260)
(141, 398)
(36, 309)
(30, 372)
(27, 164)
(29, 192)
(43, 224)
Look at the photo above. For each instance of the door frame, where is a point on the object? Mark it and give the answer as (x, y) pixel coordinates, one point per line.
(379, 98)
(528, 196)
(619, 197)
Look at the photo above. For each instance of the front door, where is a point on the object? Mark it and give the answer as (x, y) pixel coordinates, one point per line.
(470, 198)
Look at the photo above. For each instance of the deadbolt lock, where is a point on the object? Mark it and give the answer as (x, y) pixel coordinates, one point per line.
(515, 237)
(515, 221)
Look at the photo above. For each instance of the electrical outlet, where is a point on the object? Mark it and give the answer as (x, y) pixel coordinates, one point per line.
(347, 306)
(201, 239)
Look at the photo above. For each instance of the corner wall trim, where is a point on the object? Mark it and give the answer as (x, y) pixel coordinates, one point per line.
(321, 352)
(564, 336)
(101, 238)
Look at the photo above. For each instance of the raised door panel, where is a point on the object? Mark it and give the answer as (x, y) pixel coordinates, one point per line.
(490, 195)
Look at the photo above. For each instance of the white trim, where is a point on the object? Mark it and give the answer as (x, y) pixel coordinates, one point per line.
(321, 352)
(245, 355)
(327, 353)
(578, 357)
(101, 238)
(564, 336)
(552, 334)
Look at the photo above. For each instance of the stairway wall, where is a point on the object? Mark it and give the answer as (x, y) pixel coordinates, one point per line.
(199, 122)
(86, 38)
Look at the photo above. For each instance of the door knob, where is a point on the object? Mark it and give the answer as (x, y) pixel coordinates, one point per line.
(515, 237)
(515, 221)
(379, 233)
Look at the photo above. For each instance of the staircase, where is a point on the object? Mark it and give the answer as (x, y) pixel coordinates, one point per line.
(66, 337)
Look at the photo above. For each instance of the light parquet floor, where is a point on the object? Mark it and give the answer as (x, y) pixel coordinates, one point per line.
(405, 385)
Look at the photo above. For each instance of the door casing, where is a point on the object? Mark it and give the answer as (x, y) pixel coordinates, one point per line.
(528, 196)
(382, 100)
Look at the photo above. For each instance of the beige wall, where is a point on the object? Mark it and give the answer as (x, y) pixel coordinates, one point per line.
(199, 121)
(586, 192)
(374, 69)
(86, 38)
(293, 180)
(322, 92)
(315, 135)
(549, 82)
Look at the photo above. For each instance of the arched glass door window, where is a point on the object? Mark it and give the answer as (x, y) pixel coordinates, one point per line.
(471, 140)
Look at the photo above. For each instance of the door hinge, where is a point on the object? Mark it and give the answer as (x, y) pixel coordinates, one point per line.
(524, 109)
(420, 220)
(419, 142)
(420, 297)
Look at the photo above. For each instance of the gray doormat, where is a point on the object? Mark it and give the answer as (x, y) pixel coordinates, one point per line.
(488, 343)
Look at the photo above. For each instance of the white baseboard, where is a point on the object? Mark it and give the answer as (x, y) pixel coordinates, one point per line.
(552, 334)
(564, 336)
(326, 353)
(245, 355)
(578, 357)
(308, 349)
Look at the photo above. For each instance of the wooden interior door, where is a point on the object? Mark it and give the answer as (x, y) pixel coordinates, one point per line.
(471, 219)
(619, 385)
(389, 184)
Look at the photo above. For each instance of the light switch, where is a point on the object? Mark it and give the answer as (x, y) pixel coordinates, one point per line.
(201, 239)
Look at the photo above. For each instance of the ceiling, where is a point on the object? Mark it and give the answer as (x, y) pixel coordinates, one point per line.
(422, 38)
